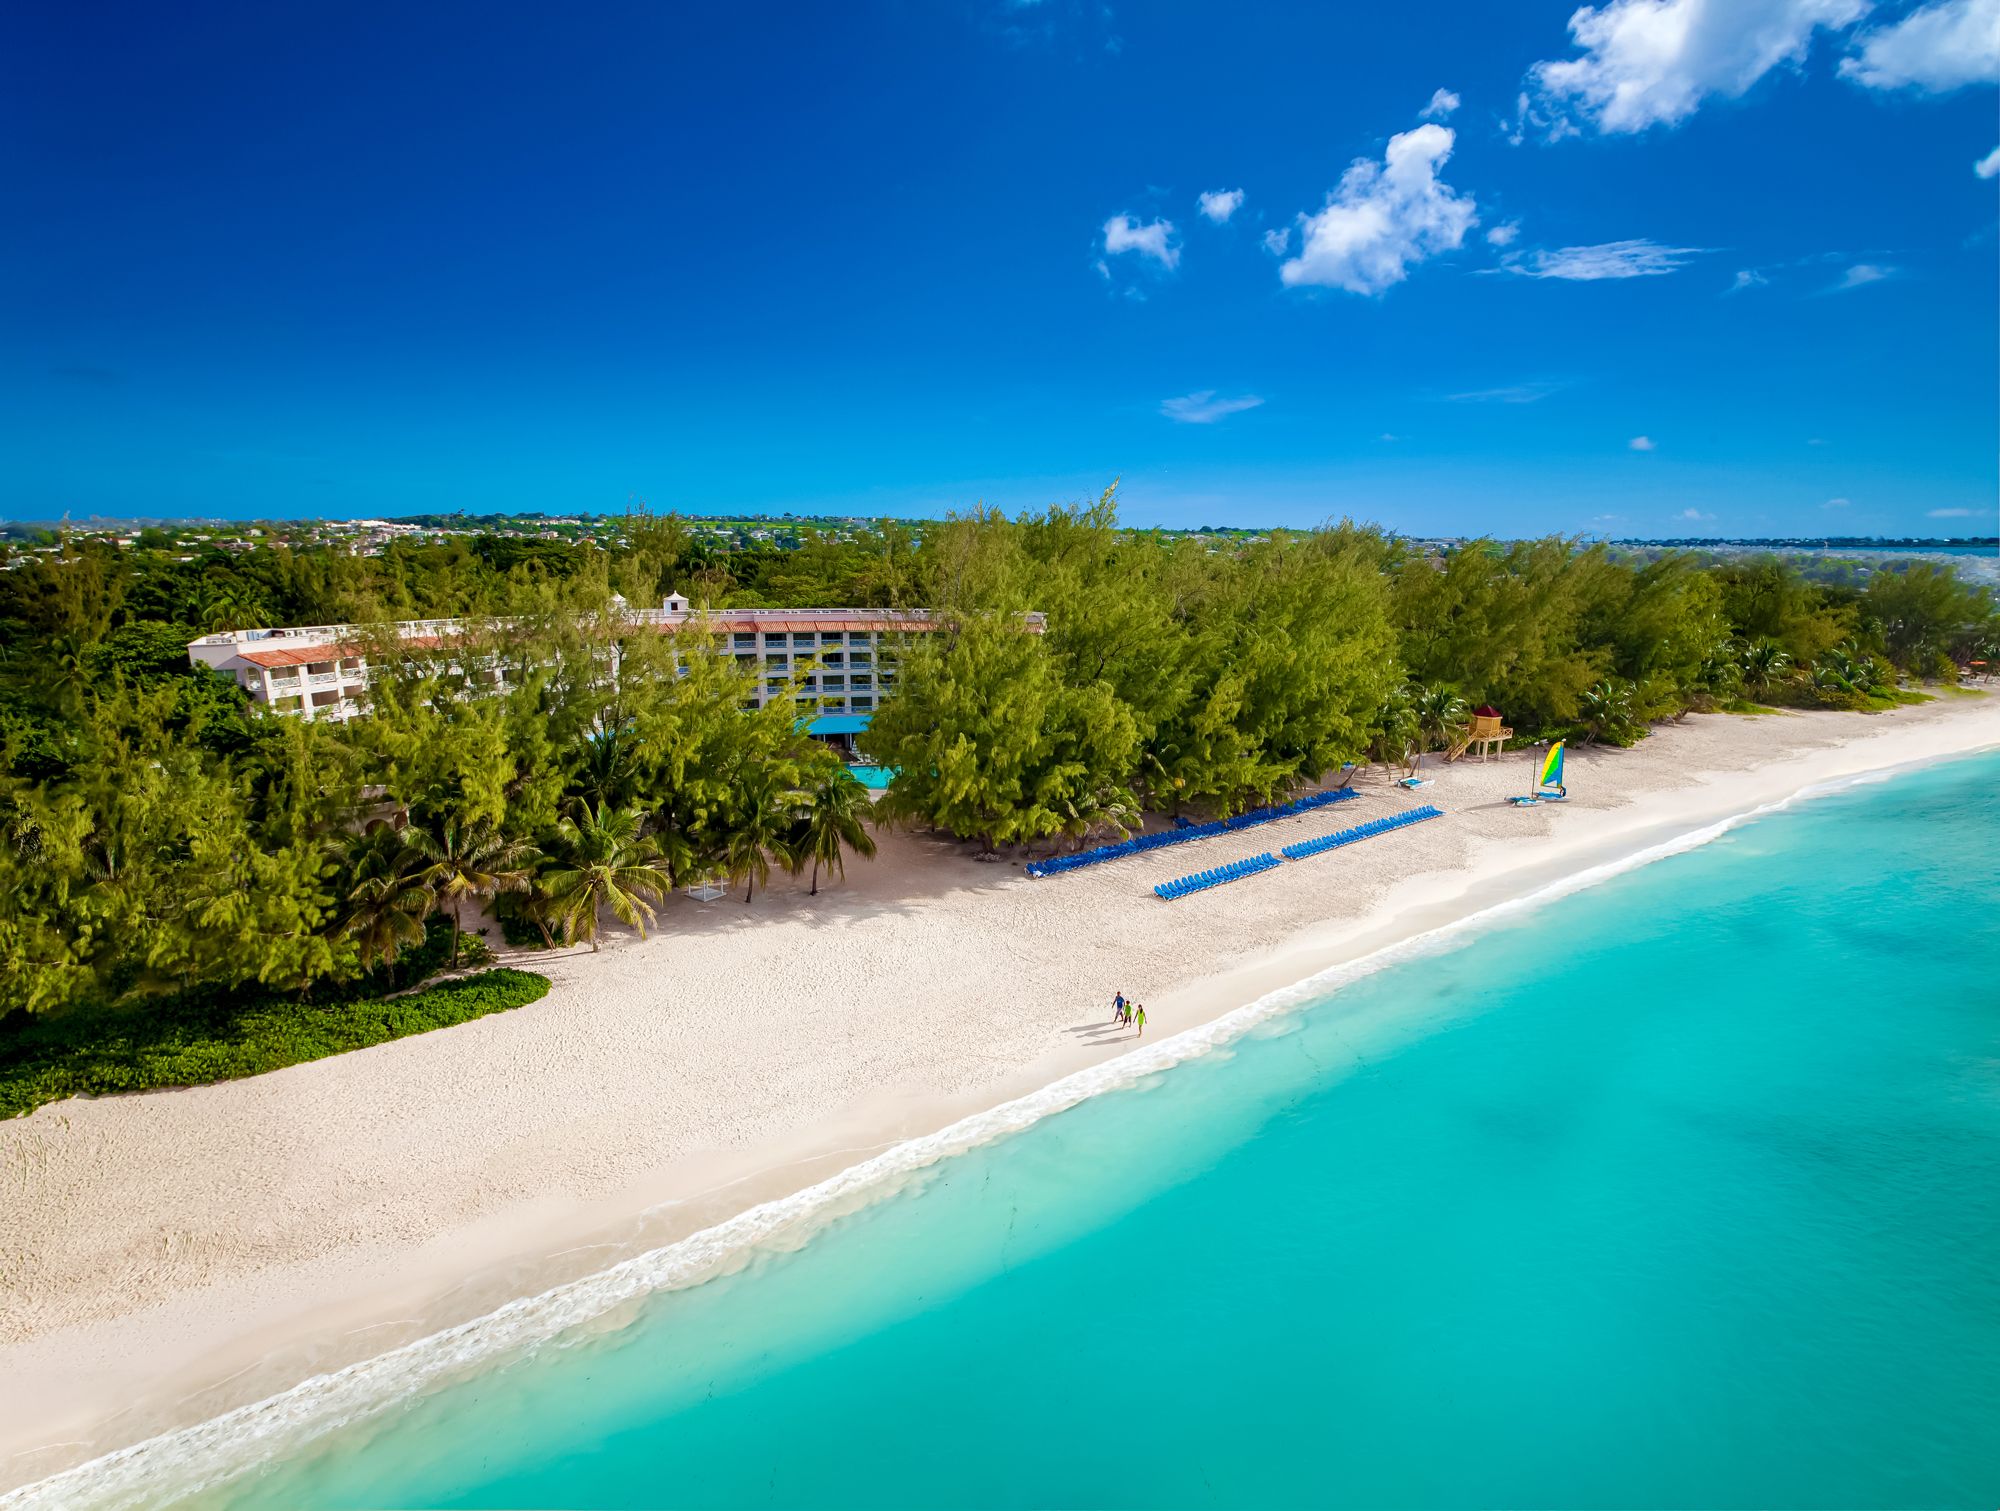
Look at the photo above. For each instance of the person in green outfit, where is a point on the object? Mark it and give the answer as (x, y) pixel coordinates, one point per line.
(1139, 1017)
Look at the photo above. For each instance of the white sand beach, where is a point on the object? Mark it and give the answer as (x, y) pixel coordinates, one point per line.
(167, 1256)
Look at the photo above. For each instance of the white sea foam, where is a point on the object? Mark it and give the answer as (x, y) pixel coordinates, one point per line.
(188, 1461)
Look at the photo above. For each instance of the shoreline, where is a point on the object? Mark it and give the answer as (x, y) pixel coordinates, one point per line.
(232, 1339)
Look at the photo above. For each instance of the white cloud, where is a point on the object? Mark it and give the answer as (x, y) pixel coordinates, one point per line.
(1443, 103)
(1950, 514)
(1746, 278)
(1939, 46)
(1636, 258)
(1504, 235)
(1988, 165)
(1204, 408)
(1642, 443)
(1383, 218)
(1513, 393)
(1155, 239)
(1860, 275)
(1693, 514)
(1837, 503)
(1219, 204)
(1652, 62)
(1279, 241)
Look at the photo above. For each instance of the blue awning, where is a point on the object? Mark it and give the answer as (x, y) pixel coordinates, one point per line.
(839, 724)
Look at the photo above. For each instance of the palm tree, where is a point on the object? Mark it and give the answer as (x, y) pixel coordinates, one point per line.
(386, 898)
(1606, 710)
(464, 860)
(759, 828)
(1856, 674)
(1721, 674)
(1763, 664)
(1439, 711)
(1394, 740)
(600, 861)
(610, 761)
(833, 825)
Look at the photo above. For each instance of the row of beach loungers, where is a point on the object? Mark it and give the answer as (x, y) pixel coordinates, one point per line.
(1369, 830)
(1201, 881)
(1056, 865)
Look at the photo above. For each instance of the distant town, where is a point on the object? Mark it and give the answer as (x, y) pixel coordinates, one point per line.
(1850, 557)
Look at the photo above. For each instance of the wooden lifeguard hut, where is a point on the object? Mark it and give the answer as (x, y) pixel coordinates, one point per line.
(1485, 732)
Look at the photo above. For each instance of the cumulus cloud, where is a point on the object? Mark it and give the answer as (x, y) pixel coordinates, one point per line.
(1746, 278)
(1693, 514)
(1219, 204)
(1204, 408)
(1384, 218)
(1951, 514)
(1860, 276)
(1635, 258)
(1279, 241)
(1443, 103)
(1155, 239)
(1940, 46)
(1988, 165)
(1504, 235)
(1646, 63)
(1837, 503)
(1642, 443)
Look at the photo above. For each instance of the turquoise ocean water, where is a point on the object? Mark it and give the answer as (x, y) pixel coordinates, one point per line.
(1681, 1190)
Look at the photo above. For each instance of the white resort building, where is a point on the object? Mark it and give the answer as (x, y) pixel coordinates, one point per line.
(321, 671)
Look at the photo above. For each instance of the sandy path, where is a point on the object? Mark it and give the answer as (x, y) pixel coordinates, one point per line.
(165, 1256)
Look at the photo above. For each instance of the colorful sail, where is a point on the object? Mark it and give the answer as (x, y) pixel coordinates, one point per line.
(1552, 768)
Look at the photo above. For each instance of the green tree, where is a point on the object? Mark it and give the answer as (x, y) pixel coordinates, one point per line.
(835, 821)
(1765, 664)
(759, 826)
(1438, 714)
(462, 860)
(599, 860)
(1606, 712)
(386, 896)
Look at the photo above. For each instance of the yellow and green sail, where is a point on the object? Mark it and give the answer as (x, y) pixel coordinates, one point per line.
(1552, 768)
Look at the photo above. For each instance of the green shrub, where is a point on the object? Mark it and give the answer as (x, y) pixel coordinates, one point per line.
(192, 1042)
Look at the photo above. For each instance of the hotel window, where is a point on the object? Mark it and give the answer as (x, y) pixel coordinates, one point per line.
(860, 637)
(832, 659)
(862, 658)
(833, 684)
(746, 642)
(862, 679)
(861, 704)
(805, 638)
(775, 658)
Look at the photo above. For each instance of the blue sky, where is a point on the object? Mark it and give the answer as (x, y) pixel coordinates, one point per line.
(1665, 267)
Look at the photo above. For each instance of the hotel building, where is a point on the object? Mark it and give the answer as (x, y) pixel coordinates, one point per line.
(844, 657)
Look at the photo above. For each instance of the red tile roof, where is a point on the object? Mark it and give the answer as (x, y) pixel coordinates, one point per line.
(299, 657)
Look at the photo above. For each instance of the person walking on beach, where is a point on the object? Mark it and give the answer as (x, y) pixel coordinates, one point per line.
(1139, 1017)
(1118, 1008)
